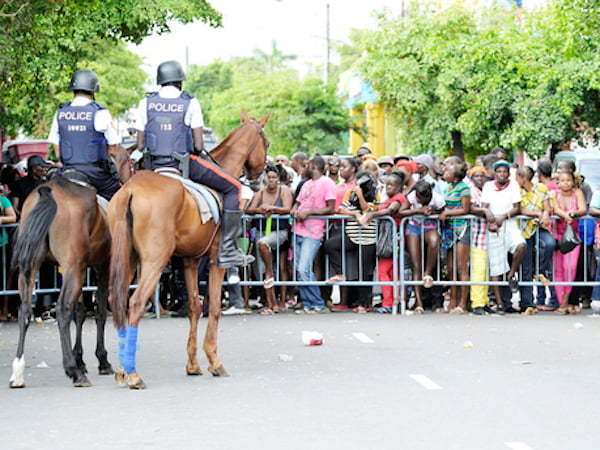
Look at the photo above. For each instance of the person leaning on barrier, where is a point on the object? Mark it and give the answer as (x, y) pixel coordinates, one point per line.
(479, 255)
(358, 240)
(274, 198)
(36, 175)
(317, 197)
(503, 198)
(395, 203)
(423, 202)
(457, 234)
(535, 203)
(570, 204)
(7, 215)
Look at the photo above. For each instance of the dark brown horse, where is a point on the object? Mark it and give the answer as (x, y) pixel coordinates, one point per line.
(153, 218)
(62, 222)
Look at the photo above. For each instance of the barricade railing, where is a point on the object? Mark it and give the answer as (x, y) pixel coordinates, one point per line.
(335, 226)
(587, 244)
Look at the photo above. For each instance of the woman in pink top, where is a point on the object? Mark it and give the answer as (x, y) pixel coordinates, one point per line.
(570, 204)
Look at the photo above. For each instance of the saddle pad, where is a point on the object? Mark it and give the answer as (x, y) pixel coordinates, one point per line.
(207, 200)
(102, 203)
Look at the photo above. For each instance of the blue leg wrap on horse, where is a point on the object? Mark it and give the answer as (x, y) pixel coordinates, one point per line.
(130, 349)
(122, 335)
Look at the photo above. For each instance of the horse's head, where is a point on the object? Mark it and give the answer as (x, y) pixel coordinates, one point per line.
(257, 155)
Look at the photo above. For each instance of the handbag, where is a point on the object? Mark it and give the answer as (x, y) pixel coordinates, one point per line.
(385, 239)
(569, 240)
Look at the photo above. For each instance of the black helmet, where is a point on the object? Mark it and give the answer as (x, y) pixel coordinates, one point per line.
(84, 80)
(169, 72)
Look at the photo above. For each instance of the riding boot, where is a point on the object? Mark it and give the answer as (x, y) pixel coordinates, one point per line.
(230, 255)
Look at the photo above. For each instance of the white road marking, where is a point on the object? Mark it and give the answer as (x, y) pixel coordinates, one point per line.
(425, 382)
(518, 446)
(362, 337)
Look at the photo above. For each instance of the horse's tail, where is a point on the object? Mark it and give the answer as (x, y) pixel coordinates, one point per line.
(31, 246)
(120, 257)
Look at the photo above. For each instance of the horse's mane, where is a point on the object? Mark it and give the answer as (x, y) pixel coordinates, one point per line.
(215, 152)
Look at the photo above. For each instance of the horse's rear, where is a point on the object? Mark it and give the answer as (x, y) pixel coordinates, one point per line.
(62, 222)
(151, 218)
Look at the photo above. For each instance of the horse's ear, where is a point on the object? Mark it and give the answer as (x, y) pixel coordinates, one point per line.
(264, 120)
(244, 116)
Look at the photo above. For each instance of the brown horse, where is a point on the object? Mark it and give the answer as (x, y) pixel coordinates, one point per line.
(152, 218)
(62, 222)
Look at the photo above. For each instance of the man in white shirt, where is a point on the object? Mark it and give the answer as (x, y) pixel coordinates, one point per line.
(84, 137)
(170, 121)
(503, 198)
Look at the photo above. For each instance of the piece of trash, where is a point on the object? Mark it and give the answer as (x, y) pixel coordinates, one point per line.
(42, 365)
(285, 358)
(312, 338)
(577, 325)
(522, 363)
(468, 344)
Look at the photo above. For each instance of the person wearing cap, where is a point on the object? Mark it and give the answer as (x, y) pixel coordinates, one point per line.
(170, 120)
(386, 164)
(424, 167)
(363, 151)
(84, 136)
(333, 168)
(408, 169)
(401, 157)
(36, 175)
(503, 199)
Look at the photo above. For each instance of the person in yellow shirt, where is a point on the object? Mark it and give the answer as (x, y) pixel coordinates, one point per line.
(535, 203)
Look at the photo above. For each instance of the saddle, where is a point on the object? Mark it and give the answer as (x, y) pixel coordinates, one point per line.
(81, 179)
(207, 200)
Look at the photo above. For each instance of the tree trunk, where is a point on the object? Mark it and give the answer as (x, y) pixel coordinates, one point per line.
(457, 144)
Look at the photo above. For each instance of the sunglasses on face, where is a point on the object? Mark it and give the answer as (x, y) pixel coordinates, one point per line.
(336, 164)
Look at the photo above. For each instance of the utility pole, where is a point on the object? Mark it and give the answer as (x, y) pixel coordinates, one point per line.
(328, 39)
(187, 57)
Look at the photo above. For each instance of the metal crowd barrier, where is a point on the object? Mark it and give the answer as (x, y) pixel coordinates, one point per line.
(254, 229)
(438, 281)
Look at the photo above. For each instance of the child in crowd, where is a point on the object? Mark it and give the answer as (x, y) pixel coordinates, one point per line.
(395, 202)
(458, 241)
(570, 203)
(423, 202)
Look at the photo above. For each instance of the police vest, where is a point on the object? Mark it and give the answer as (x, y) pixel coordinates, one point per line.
(166, 131)
(79, 141)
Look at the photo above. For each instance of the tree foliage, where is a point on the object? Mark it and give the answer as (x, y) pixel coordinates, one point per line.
(306, 114)
(464, 81)
(42, 41)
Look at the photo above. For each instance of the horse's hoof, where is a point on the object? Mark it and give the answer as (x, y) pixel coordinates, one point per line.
(108, 370)
(219, 371)
(134, 381)
(193, 370)
(120, 377)
(82, 382)
(15, 385)
(83, 368)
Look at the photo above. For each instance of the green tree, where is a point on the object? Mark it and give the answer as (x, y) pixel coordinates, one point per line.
(306, 115)
(42, 41)
(273, 61)
(467, 82)
(205, 82)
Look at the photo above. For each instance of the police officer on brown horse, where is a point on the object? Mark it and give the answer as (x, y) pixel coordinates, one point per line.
(170, 121)
(83, 135)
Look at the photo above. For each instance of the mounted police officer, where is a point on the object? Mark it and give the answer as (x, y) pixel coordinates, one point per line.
(170, 121)
(83, 135)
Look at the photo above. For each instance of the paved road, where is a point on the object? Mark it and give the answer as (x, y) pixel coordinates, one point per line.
(526, 383)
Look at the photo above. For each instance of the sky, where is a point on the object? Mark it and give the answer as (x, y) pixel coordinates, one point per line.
(298, 27)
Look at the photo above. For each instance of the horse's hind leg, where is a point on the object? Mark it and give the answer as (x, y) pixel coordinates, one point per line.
(104, 367)
(150, 269)
(17, 379)
(80, 313)
(69, 294)
(215, 283)
(194, 309)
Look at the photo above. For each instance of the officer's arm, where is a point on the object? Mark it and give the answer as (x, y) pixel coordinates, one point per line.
(198, 135)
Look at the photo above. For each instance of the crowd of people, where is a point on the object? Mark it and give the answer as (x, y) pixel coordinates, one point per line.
(521, 225)
(517, 221)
